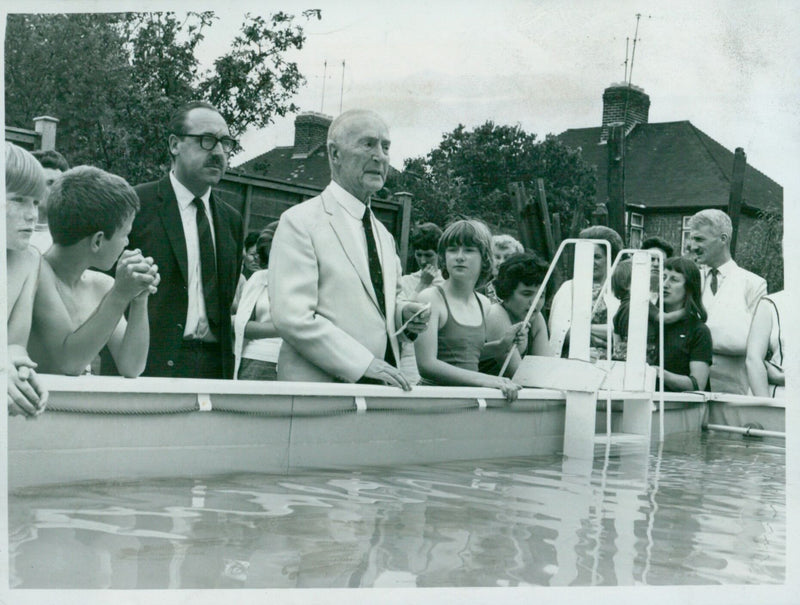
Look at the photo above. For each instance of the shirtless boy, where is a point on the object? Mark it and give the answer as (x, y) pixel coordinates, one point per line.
(78, 311)
(25, 185)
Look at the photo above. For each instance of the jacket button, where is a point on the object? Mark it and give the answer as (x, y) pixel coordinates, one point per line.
(170, 363)
(180, 326)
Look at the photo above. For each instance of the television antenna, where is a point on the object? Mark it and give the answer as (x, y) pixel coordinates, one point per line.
(324, 77)
(633, 53)
(341, 91)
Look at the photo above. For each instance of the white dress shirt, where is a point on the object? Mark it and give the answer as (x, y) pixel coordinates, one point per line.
(354, 211)
(196, 326)
(730, 312)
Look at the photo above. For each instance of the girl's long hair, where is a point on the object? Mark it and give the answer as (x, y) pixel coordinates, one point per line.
(468, 232)
(694, 294)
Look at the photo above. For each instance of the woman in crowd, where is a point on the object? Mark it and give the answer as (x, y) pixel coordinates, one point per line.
(250, 265)
(503, 246)
(25, 186)
(687, 341)
(449, 350)
(424, 241)
(256, 342)
(766, 347)
(621, 288)
(518, 280)
(604, 310)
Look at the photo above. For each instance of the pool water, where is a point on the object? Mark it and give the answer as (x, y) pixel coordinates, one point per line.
(704, 509)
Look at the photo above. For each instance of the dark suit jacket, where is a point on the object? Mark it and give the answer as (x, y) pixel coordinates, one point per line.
(158, 232)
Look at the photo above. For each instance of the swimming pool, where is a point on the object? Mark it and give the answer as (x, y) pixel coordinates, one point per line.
(697, 509)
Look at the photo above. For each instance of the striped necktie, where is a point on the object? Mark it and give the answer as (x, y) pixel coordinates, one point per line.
(714, 273)
(375, 270)
(208, 264)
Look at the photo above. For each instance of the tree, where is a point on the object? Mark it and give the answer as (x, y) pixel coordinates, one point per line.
(114, 79)
(762, 251)
(468, 174)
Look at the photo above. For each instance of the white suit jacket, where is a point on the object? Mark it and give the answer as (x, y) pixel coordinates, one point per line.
(323, 303)
(730, 312)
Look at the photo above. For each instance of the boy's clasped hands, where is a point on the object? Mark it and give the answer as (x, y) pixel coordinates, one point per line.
(136, 276)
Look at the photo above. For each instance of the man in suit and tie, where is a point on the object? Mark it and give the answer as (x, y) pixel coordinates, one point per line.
(196, 239)
(334, 270)
(730, 295)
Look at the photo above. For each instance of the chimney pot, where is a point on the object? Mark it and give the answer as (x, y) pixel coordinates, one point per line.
(624, 104)
(46, 127)
(310, 133)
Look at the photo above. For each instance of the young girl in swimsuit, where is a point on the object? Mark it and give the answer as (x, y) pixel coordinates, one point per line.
(449, 350)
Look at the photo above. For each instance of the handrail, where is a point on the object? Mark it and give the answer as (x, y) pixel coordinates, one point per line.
(543, 288)
(660, 260)
(191, 386)
(155, 385)
(747, 431)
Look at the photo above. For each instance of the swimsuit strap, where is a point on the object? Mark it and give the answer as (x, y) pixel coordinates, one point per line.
(446, 304)
(450, 313)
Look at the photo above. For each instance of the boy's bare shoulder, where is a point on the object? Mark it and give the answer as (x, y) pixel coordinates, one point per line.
(23, 261)
(97, 281)
(93, 281)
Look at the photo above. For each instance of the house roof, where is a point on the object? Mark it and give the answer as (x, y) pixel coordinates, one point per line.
(674, 165)
(279, 165)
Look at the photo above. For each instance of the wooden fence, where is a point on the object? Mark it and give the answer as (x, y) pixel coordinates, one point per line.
(261, 200)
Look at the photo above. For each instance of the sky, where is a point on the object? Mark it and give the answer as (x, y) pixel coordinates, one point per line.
(728, 66)
(731, 68)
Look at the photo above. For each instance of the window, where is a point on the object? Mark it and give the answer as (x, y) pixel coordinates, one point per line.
(685, 234)
(635, 229)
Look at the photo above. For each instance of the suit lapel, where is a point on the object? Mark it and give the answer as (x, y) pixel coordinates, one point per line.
(354, 253)
(220, 242)
(227, 253)
(173, 226)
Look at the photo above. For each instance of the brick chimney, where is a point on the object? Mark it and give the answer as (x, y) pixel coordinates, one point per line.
(46, 127)
(310, 132)
(623, 103)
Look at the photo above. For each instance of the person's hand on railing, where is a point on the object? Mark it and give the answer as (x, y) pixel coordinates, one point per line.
(509, 388)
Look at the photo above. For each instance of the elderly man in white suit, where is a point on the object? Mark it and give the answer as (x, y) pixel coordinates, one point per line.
(730, 295)
(334, 270)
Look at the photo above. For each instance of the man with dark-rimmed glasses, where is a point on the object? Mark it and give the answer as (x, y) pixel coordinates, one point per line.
(196, 239)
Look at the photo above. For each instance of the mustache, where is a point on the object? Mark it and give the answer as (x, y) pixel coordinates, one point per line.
(214, 162)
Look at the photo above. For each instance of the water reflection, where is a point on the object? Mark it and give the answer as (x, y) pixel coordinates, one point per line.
(693, 511)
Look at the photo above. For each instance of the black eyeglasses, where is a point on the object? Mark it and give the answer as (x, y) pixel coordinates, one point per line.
(209, 141)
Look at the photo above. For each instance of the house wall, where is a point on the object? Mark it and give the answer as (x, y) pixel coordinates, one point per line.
(666, 226)
(260, 203)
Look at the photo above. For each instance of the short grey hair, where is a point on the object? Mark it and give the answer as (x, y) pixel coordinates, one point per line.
(343, 121)
(719, 221)
(606, 233)
(503, 241)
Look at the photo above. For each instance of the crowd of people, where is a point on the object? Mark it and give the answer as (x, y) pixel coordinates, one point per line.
(159, 280)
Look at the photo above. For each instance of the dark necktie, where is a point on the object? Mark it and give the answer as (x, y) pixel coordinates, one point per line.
(375, 270)
(714, 283)
(208, 264)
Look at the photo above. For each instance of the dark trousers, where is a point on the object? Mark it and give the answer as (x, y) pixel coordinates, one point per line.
(197, 359)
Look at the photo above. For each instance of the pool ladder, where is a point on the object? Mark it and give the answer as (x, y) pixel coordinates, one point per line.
(636, 390)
